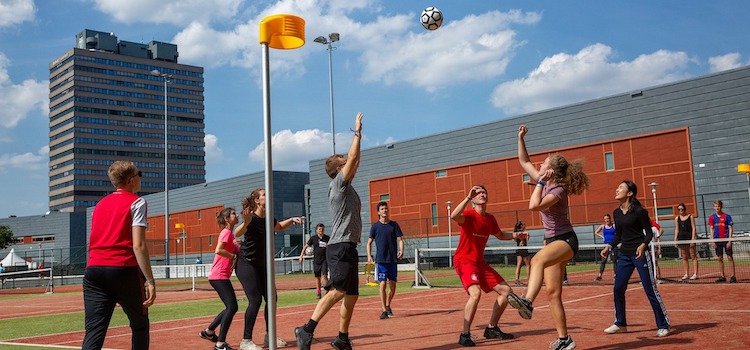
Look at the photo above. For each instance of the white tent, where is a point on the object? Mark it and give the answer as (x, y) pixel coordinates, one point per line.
(13, 259)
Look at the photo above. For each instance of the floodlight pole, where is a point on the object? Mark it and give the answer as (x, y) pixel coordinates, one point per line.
(166, 77)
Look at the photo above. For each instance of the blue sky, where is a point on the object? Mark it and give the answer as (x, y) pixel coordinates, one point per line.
(490, 60)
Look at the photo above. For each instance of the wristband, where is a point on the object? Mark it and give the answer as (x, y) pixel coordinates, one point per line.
(150, 282)
(468, 197)
(541, 182)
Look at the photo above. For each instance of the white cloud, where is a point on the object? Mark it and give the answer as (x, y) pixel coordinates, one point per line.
(18, 100)
(563, 78)
(292, 151)
(725, 62)
(178, 12)
(25, 161)
(392, 49)
(213, 152)
(16, 11)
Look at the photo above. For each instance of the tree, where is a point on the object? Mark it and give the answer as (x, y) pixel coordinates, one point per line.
(6, 236)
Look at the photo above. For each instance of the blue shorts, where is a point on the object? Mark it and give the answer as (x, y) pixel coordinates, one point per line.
(386, 272)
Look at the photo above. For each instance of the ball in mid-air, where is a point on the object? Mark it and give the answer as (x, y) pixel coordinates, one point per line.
(431, 18)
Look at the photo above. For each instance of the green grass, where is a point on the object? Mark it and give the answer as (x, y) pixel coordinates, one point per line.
(73, 322)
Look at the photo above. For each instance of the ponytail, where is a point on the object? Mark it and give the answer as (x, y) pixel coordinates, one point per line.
(634, 202)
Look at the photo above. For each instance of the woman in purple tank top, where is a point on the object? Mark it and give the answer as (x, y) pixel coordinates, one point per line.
(556, 178)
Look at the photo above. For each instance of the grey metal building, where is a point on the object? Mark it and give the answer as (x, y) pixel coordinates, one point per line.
(715, 108)
(107, 102)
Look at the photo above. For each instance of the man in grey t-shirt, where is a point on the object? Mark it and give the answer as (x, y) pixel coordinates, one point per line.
(341, 253)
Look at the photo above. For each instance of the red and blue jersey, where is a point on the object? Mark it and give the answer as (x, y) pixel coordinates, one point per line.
(720, 224)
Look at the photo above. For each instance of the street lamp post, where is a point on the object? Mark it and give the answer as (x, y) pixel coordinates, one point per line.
(166, 77)
(332, 38)
(656, 218)
(183, 237)
(278, 32)
(450, 256)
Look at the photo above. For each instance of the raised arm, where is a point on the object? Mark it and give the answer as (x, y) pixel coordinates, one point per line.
(352, 159)
(523, 155)
(457, 213)
(283, 225)
(246, 218)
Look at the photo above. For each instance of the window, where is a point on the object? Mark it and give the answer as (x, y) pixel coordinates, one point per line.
(385, 197)
(668, 211)
(40, 239)
(441, 173)
(434, 214)
(609, 161)
(199, 214)
(526, 178)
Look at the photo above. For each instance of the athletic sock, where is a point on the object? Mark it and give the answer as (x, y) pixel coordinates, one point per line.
(310, 326)
(344, 336)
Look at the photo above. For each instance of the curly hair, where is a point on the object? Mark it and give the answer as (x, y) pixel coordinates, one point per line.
(569, 175)
(249, 202)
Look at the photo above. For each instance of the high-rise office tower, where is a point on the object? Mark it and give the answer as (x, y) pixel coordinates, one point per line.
(107, 103)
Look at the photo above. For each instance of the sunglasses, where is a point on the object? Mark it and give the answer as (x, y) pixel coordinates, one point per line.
(680, 209)
(138, 174)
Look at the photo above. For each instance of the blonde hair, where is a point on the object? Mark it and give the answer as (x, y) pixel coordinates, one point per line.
(332, 164)
(120, 172)
(569, 175)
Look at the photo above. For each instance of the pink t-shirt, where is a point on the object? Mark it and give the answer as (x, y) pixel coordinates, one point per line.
(221, 269)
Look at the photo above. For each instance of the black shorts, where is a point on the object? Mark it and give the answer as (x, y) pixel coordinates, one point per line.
(320, 269)
(343, 261)
(571, 238)
(721, 247)
(522, 252)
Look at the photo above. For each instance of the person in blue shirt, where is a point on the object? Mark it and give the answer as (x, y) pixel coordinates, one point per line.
(607, 233)
(386, 234)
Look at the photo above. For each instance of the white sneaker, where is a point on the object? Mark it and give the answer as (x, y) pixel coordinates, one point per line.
(662, 332)
(279, 342)
(694, 277)
(684, 277)
(249, 345)
(615, 329)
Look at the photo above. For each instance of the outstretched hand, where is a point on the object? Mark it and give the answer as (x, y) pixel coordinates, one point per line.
(358, 122)
(522, 130)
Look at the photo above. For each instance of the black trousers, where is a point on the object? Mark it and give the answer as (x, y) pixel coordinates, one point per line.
(105, 286)
(253, 279)
(224, 318)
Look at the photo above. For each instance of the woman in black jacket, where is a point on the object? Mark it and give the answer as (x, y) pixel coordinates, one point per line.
(633, 230)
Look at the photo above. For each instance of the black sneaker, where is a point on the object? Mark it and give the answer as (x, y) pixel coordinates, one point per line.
(384, 315)
(566, 343)
(721, 279)
(341, 344)
(496, 333)
(210, 337)
(465, 340)
(598, 278)
(521, 304)
(318, 296)
(732, 279)
(389, 311)
(304, 339)
(224, 346)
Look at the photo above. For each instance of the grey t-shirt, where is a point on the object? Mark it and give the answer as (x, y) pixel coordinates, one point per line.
(345, 208)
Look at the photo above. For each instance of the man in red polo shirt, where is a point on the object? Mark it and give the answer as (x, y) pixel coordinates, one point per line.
(476, 275)
(118, 269)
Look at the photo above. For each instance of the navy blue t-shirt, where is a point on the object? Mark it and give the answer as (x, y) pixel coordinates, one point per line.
(385, 237)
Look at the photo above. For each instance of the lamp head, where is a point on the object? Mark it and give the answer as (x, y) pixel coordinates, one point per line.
(156, 73)
(321, 40)
(334, 37)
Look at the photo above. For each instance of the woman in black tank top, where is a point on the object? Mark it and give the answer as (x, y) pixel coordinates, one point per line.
(684, 230)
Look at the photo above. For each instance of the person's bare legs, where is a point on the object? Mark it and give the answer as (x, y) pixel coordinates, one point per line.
(553, 253)
(500, 304)
(383, 295)
(347, 309)
(391, 293)
(694, 257)
(519, 262)
(553, 281)
(475, 293)
(685, 256)
(326, 303)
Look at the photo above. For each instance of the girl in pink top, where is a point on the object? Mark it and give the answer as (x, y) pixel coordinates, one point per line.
(218, 277)
(555, 179)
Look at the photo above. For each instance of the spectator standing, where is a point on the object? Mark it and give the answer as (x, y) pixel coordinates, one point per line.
(119, 269)
(722, 226)
(684, 230)
(388, 237)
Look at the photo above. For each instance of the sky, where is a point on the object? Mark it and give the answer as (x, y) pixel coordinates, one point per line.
(488, 61)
